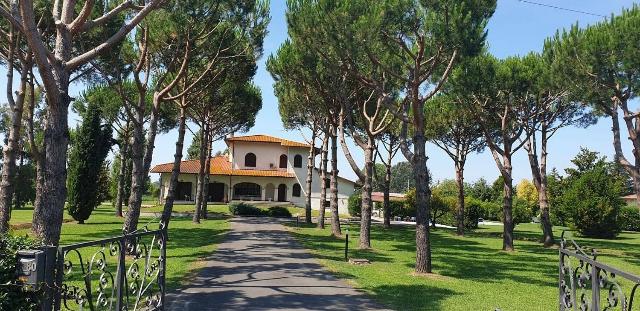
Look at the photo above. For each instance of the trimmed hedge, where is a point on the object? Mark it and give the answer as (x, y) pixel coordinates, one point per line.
(278, 211)
(12, 297)
(245, 209)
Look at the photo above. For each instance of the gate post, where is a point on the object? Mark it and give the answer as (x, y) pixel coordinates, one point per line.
(50, 290)
(120, 274)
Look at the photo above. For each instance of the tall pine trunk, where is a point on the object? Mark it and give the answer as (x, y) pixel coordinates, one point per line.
(137, 175)
(121, 176)
(207, 175)
(175, 171)
(423, 239)
(335, 218)
(507, 203)
(539, 173)
(460, 211)
(367, 204)
(50, 210)
(323, 178)
(7, 184)
(309, 181)
(386, 204)
(200, 186)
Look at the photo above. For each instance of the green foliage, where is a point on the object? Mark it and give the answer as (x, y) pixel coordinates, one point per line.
(440, 206)
(278, 211)
(402, 177)
(244, 209)
(86, 163)
(491, 210)
(595, 203)
(472, 211)
(480, 190)
(354, 203)
(193, 152)
(25, 188)
(629, 218)
(591, 195)
(12, 297)
(104, 184)
(522, 211)
(446, 188)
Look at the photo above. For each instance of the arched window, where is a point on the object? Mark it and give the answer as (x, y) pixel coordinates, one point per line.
(283, 161)
(297, 161)
(250, 160)
(296, 190)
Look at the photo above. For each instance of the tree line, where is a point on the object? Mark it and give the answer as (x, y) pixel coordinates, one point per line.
(146, 67)
(394, 75)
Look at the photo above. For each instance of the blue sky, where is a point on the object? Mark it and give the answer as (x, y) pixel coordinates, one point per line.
(516, 28)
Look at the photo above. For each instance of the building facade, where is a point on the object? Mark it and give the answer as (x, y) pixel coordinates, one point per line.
(255, 168)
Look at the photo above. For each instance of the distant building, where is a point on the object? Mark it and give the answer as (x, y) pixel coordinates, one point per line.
(256, 168)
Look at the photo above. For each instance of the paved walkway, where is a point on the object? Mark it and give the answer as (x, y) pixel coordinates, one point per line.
(260, 266)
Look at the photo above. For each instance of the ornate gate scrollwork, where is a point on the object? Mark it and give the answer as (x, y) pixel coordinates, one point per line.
(126, 272)
(586, 284)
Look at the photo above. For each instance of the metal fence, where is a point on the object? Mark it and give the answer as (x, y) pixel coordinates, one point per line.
(125, 272)
(588, 285)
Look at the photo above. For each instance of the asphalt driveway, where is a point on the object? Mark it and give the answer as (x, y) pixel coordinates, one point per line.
(260, 266)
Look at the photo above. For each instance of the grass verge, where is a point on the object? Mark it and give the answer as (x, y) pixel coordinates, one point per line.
(472, 272)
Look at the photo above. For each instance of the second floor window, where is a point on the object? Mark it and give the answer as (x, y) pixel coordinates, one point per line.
(297, 161)
(250, 160)
(283, 161)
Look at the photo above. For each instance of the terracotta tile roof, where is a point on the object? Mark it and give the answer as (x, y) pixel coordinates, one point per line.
(267, 139)
(219, 166)
(379, 197)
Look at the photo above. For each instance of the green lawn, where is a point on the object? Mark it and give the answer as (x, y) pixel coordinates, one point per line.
(472, 273)
(188, 242)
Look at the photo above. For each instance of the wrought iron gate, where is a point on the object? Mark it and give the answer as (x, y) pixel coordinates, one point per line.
(588, 285)
(126, 272)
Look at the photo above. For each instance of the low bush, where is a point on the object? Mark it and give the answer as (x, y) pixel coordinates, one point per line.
(245, 209)
(472, 211)
(12, 297)
(278, 211)
(490, 210)
(355, 204)
(629, 218)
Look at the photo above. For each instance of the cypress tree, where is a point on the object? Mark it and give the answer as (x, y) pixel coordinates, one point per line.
(88, 152)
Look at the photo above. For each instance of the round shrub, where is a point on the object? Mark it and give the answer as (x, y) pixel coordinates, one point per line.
(244, 209)
(629, 218)
(355, 204)
(13, 297)
(278, 211)
(595, 203)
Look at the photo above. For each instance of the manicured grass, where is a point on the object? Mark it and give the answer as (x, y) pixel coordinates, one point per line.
(188, 242)
(471, 273)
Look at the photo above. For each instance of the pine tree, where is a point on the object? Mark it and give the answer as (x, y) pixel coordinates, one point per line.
(89, 150)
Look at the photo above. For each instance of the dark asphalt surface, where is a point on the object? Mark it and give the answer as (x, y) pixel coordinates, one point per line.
(260, 266)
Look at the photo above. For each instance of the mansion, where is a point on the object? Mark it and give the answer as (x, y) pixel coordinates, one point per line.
(255, 168)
